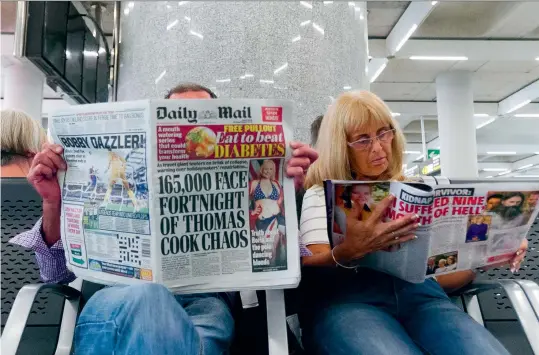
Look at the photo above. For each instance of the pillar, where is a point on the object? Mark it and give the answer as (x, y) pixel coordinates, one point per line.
(456, 127)
(23, 90)
(308, 51)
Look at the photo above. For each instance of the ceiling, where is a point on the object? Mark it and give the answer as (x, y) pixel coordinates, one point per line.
(453, 28)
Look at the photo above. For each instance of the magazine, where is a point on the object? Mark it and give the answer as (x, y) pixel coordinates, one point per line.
(462, 225)
(190, 194)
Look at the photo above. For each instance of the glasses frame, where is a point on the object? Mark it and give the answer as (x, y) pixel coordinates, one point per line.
(371, 140)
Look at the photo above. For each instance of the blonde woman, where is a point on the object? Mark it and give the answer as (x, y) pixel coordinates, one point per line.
(21, 139)
(362, 311)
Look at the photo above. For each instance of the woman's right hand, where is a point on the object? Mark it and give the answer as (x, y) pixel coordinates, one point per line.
(364, 237)
(257, 211)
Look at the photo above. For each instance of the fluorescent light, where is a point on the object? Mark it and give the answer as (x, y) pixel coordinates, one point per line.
(281, 68)
(318, 28)
(412, 152)
(248, 75)
(306, 4)
(263, 81)
(527, 115)
(433, 3)
(488, 177)
(378, 72)
(227, 80)
(172, 24)
(180, 3)
(504, 173)
(196, 34)
(480, 115)
(522, 104)
(187, 18)
(525, 166)
(405, 38)
(501, 153)
(160, 76)
(131, 4)
(328, 2)
(351, 3)
(305, 23)
(347, 87)
(420, 157)
(486, 123)
(395, 114)
(357, 9)
(526, 176)
(295, 39)
(126, 11)
(494, 169)
(361, 16)
(427, 57)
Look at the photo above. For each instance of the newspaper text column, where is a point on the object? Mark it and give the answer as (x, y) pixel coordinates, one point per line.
(23, 90)
(458, 146)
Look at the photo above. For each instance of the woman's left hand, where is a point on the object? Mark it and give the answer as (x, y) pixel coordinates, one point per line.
(514, 263)
(302, 158)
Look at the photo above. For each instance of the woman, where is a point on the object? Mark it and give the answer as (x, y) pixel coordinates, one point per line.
(21, 139)
(451, 263)
(267, 216)
(362, 311)
(477, 231)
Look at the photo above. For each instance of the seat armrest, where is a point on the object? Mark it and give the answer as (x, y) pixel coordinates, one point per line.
(531, 289)
(476, 287)
(18, 317)
(69, 320)
(277, 336)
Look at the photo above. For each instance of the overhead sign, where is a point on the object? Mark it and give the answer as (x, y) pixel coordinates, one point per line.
(432, 166)
(431, 153)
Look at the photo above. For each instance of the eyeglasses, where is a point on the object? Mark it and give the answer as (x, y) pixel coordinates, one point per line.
(366, 143)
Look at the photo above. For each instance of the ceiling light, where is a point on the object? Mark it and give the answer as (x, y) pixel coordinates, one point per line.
(433, 3)
(522, 104)
(395, 114)
(351, 3)
(328, 2)
(187, 18)
(525, 166)
(480, 114)
(305, 23)
(481, 125)
(420, 157)
(501, 153)
(494, 169)
(180, 3)
(131, 4)
(295, 39)
(346, 87)
(248, 75)
(126, 11)
(196, 34)
(306, 4)
(318, 28)
(160, 76)
(526, 176)
(172, 24)
(223, 80)
(405, 38)
(412, 152)
(527, 115)
(378, 72)
(504, 173)
(263, 81)
(361, 17)
(357, 9)
(281, 68)
(488, 177)
(427, 57)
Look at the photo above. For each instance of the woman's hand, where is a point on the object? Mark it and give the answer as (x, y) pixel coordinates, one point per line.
(257, 211)
(519, 256)
(364, 237)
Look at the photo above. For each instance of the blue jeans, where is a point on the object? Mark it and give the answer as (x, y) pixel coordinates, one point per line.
(149, 319)
(375, 313)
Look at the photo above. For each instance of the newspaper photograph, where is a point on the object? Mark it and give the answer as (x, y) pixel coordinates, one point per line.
(188, 193)
(461, 226)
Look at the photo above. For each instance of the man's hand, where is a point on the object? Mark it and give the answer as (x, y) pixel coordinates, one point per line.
(42, 174)
(302, 158)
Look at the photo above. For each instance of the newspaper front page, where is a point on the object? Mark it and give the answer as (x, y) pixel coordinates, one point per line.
(188, 193)
(461, 226)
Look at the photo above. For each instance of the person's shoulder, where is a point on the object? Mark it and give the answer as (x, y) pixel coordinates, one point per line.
(314, 197)
(315, 190)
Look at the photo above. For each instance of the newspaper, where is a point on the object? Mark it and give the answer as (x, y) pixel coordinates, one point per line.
(191, 194)
(462, 226)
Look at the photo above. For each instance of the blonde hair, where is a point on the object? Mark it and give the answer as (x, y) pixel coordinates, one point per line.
(19, 135)
(351, 112)
(266, 163)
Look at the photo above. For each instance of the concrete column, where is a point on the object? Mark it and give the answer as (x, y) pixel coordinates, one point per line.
(456, 127)
(307, 51)
(23, 90)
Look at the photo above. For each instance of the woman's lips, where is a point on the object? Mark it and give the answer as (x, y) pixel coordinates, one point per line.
(379, 161)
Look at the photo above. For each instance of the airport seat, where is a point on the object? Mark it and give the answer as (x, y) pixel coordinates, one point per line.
(58, 304)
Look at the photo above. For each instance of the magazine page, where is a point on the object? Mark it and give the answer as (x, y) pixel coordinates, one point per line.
(224, 212)
(105, 221)
(358, 199)
(480, 224)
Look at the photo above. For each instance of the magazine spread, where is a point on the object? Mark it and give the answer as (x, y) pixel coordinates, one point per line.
(463, 226)
(187, 193)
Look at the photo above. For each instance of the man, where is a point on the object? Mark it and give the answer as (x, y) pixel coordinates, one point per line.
(139, 319)
(431, 267)
(533, 198)
(493, 201)
(509, 212)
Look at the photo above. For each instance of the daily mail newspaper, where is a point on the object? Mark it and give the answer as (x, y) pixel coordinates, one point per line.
(463, 226)
(187, 193)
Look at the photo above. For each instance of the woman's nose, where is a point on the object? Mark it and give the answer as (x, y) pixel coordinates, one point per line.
(376, 146)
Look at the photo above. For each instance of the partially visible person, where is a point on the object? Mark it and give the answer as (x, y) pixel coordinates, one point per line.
(451, 263)
(431, 266)
(532, 200)
(493, 201)
(477, 231)
(315, 129)
(138, 319)
(348, 310)
(21, 138)
(509, 213)
(441, 266)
